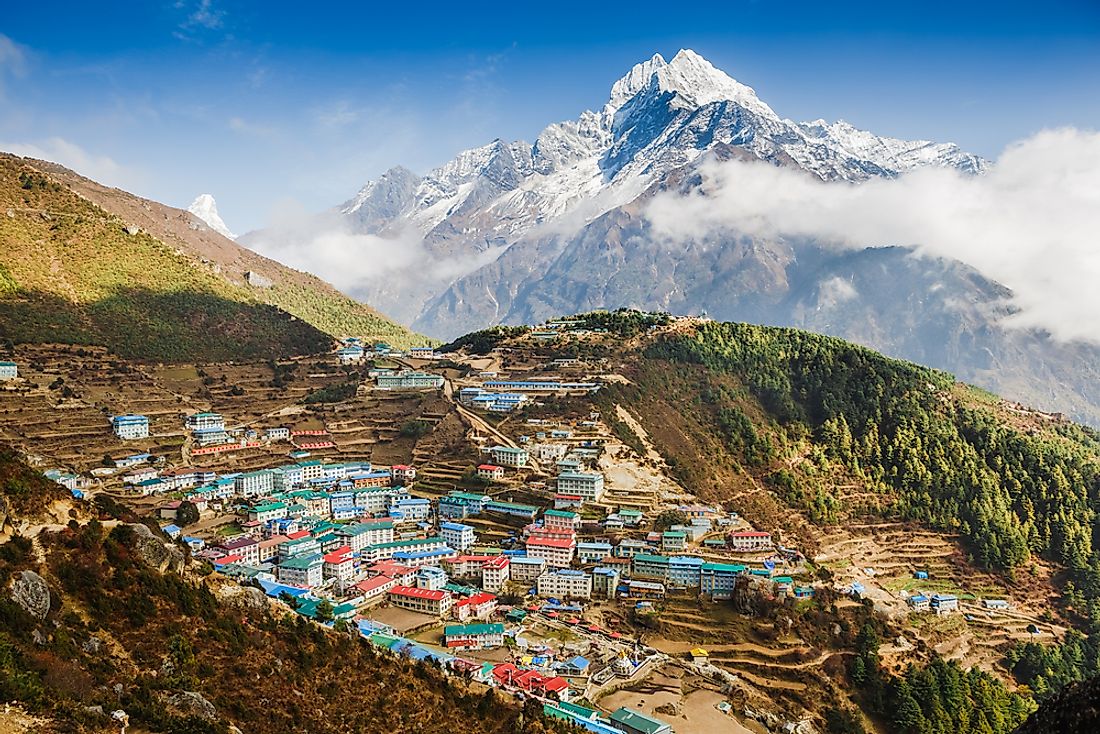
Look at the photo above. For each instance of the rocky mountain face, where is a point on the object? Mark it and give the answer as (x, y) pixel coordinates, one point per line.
(531, 231)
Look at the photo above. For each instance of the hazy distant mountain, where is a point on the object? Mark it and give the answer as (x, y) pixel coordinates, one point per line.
(529, 231)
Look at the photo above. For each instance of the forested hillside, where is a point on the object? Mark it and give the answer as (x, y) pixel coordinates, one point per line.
(803, 414)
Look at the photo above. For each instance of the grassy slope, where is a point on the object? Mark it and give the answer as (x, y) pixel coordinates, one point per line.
(301, 294)
(70, 272)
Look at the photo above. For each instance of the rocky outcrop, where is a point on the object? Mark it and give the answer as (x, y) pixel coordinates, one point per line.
(31, 592)
(154, 552)
(189, 703)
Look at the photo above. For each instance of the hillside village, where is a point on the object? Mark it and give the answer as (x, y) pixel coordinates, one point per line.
(522, 545)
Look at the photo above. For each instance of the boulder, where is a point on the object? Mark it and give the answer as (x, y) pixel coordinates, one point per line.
(154, 552)
(189, 703)
(32, 593)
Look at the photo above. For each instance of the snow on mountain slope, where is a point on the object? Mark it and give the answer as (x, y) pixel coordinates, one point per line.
(892, 153)
(205, 208)
(659, 116)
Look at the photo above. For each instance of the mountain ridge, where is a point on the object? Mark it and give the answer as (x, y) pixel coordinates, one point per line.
(560, 226)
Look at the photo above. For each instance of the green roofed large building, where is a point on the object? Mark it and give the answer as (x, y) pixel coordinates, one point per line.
(633, 721)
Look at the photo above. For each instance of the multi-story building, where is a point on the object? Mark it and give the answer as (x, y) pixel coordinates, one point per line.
(383, 551)
(303, 546)
(678, 571)
(435, 602)
(411, 509)
(374, 589)
(363, 534)
(340, 564)
(526, 568)
(9, 370)
(495, 573)
(473, 636)
(475, 606)
(944, 603)
(305, 571)
(245, 547)
(409, 380)
(212, 436)
(254, 483)
(550, 451)
(593, 552)
(457, 505)
(402, 473)
(508, 456)
(129, 427)
(750, 541)
(684, 571)
(490, 472)
(605, 582)
(588, 485)
(267, 511)
(431, 577)
(512, 509)
(558, 552)
(561, 520)
(565, 583)
(200, 421)
(717, 580)
(278, 433)
(457, 535)
(673, 541)
(630, 547)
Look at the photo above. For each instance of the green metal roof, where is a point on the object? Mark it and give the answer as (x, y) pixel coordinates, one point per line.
(459, 630)
(637, 721)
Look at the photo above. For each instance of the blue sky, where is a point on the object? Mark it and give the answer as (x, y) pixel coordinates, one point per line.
(274, 105)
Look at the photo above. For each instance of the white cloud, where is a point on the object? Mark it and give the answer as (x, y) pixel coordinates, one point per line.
(13, 60)
(1032, 222)
(100, 168)
(324, 245)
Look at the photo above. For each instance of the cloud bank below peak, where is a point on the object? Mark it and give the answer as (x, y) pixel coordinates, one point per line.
(1032, 222)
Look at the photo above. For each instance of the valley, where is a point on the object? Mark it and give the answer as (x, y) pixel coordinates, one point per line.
(776, 647)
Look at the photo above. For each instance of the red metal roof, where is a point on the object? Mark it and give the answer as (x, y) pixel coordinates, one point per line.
(476, 599)
(373, 583)
(750, 534)
(551, 542)
(413, 592)
(489, 467)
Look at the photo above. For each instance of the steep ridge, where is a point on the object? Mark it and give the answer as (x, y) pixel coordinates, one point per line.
(70, 272)
(248, 273)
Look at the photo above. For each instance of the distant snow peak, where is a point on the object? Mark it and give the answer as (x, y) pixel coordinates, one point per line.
(205, 208)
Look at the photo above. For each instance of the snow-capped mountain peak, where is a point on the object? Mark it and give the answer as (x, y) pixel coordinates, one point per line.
(205, 208)
(699, 83)
(661, 117)
(634, 81)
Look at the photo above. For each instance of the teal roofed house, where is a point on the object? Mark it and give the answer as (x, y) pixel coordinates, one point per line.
(633, 721)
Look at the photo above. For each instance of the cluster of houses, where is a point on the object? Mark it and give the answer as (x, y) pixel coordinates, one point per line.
(352, 351)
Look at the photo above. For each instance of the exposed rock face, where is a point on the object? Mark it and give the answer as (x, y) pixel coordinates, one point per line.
(244, 597)
(154, 552)
(32, 593)
(190, 703)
